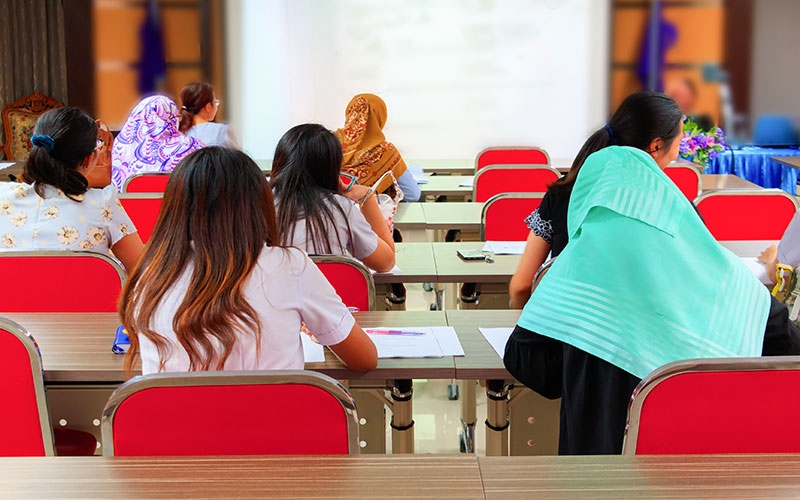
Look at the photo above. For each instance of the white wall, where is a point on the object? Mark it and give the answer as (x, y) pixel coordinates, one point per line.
(457, 75)
(776, 58)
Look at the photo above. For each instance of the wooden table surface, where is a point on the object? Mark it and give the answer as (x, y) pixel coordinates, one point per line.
(438, 477)
(646, 477)
(714, 182)
(409, 215)
(416, 263)
(465, 216)
(789, 161)
(15, 170)
(450, 268)
(446, 185)
(480, 362)
(76, 347)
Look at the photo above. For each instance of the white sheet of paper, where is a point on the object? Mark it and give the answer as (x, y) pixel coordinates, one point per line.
(497, 338)
(405, 346)
(418, 173)
(395, 270)
(758, 268)
(424, 179)
(467, 182)
(312, 352)
(505, 247)
(5, 164)
(448, 340)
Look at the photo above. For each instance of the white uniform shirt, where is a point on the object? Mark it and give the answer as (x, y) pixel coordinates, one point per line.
(285, 288)
(56, 222)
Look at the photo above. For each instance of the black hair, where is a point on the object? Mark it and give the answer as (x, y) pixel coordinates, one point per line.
(305, 177)
(640, 118)
(74, 135)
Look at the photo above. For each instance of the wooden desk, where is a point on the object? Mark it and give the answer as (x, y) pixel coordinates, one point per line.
(446, 166)
(747, 248)
(416, 263)
(725, 181)
(652, 477)
(14, 170)
(480, 361)
(789, 161)
(464, 216)
(409, 216)
(450, 268)
(287, 477)
(446, 185)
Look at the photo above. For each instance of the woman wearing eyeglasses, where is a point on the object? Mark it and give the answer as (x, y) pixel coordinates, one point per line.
(55, 209)
(199, 106)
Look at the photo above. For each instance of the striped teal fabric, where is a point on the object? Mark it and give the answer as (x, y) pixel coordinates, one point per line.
(642, 282)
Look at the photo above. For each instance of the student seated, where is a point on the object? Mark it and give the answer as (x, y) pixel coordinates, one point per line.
(150, 140)
(367, 155)
(640, 283)
(55, 209)
(215, 290)
(199, 106)
(317, 212)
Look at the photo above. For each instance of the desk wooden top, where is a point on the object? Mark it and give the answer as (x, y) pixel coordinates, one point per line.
(651, 477)
(446, 185)
(465, 216)
(416, 263)
(15, 170)
(450, 268)
(409, 216)
(286, 477)
(789, 161)
(480, 361)
(716, 182)
(747, 248)
(76, 347)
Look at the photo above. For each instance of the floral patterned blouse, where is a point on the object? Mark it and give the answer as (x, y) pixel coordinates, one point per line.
(56, 222)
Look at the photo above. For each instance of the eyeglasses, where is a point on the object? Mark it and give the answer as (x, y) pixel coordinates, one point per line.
(100, 144)
(216, 102)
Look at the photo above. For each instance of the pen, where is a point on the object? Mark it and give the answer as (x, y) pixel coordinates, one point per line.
(393, 332)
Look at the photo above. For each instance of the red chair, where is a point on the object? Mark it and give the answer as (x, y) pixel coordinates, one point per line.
(503, 217)
(687, 179)
(151, 182)
(498, 179)
(350, 278)
(703, 406)
(511, 155)
(24, 420)
(95, 280)
(747, 215)
(143, 209)
(230, 413)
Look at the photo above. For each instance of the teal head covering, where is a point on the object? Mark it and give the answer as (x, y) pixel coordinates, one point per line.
(642, 282)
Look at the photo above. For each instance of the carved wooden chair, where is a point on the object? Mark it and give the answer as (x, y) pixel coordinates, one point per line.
(18, 120)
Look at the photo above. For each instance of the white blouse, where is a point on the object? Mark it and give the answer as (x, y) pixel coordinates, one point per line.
(27, 222)
(284, 288)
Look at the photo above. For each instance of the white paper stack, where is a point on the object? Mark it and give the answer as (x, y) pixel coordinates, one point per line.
(395, 270)
(497, 338)
(415, 342)
(505, 247)
(758, 268)
(312, 352)
(467, 182)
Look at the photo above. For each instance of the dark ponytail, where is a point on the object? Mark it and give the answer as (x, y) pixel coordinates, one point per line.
(194, 97)
(55, 163)
(640, 118)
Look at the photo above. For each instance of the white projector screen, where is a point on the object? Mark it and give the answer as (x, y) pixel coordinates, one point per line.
(457, 75)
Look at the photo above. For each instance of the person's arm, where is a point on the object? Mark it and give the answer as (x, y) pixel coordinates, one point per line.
(382, 259)
(536, 361)
(357, 351)
(519, 289)
(128, 250)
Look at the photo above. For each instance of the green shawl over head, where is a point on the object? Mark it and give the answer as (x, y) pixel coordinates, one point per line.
(642, 282)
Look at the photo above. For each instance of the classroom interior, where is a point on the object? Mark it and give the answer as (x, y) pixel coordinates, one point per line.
(488, 102)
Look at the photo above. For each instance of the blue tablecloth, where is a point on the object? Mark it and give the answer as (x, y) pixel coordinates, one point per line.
(754, 164)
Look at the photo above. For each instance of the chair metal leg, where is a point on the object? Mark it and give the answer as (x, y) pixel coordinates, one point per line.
(402, 417)
(370, 404)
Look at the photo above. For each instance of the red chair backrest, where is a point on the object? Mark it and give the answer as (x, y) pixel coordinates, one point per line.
(740, 409)
(230, 413)
(92, 282)
(687, 179)
(143, 212)
(352, 281)
(155, 182)
(496, 179)
(513, 155)
(24, 425)
(747, 215)
(504, 216)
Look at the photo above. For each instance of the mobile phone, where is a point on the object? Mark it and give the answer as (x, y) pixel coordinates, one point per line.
(471, 254)
(121, 341)
(348, 180)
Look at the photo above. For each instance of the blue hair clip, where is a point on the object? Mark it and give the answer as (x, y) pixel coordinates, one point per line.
(43, 141)
(610, 134)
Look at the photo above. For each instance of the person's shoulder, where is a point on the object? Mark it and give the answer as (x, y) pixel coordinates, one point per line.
(283, 258)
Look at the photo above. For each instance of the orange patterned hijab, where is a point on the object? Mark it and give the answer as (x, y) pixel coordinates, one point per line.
(367, 155)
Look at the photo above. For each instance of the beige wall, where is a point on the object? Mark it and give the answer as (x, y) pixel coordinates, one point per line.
(775, 87)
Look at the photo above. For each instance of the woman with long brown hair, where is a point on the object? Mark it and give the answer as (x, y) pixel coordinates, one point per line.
(215, 291)
(199, 105)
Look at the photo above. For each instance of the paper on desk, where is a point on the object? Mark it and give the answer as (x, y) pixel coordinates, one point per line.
(467, 183)
(5, 164)
(758, 268)
(448, 340)
(394, 270)
(405, 346)
(416, 171)
(505, 247)
(497, 338)
(312, 352)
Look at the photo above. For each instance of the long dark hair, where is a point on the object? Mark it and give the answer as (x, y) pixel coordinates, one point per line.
(74, 135)
(194, 97)
(305, 176)
(640, 118)
(217, 213)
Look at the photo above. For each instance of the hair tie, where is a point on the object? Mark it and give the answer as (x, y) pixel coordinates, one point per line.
(610, 134)
(43, 141)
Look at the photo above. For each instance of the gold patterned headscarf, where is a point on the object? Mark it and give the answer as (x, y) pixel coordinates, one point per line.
(367, 155)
